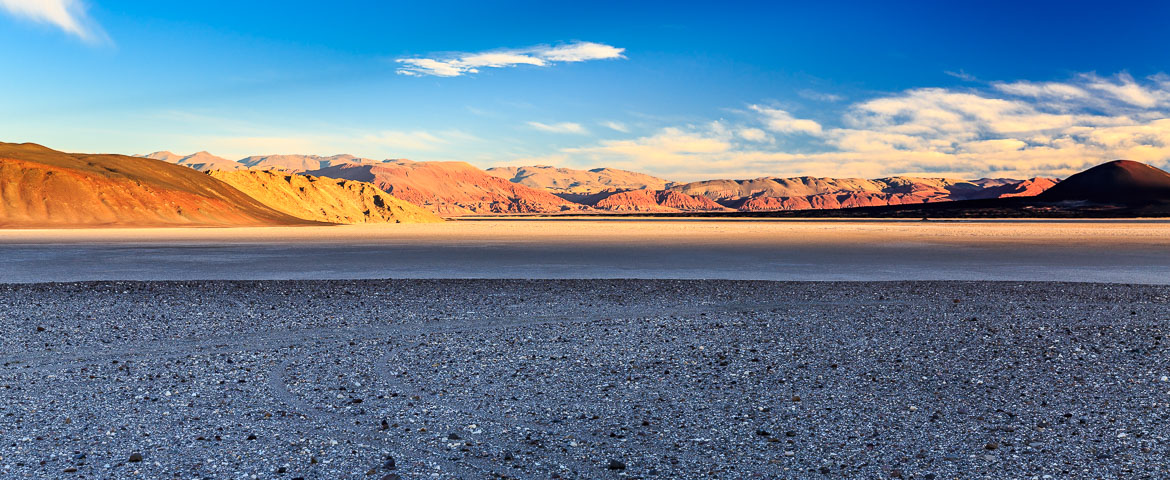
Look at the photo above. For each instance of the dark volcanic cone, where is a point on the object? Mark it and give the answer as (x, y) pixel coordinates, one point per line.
(1118, 182)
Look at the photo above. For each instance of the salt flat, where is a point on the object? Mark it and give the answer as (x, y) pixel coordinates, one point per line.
(1130, 251)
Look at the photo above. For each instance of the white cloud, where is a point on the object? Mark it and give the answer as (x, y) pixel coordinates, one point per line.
(781, 121)
(1128, 91)
(1051, 90)
(456, 64)
(68, 15)
(1007, 129)
(752, 134)
(565, 127)
(580, 52)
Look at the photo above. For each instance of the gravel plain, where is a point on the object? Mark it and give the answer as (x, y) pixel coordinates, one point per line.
(403, 379)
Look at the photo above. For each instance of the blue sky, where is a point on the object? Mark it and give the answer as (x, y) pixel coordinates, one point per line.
(684, 91)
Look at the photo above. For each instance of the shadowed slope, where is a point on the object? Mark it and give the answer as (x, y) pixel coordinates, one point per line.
(41, 187)
(325, 199)
(1118, 182)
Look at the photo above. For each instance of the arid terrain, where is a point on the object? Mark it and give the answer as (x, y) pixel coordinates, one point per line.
(327, 324)
(469, 379)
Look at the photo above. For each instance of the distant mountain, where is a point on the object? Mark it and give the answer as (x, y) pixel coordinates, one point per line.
(201, 161)
(1120, 182)
(804, 193)
(566, 180)
(1118, 189)
(1007, 188)
(41, 187)
(456, 188)
(324, 199)
(451, 188)
(300, 163)
(206, 162)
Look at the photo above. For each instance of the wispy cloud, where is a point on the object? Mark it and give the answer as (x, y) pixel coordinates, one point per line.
(1008, 129)
(961, 75)
(564, 127)
(819, 96)
(618, 126)
(68, 15)
(456, 64)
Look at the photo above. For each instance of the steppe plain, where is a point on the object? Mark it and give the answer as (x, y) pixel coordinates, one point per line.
(514, 349)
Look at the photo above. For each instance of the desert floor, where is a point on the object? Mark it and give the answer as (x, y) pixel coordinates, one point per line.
(298, 376)
(1100, 251)
(584, 379)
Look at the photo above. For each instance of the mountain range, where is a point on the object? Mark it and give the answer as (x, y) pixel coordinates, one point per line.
(568, 181)
(43, 187)
(1116, 189)
(458, 188)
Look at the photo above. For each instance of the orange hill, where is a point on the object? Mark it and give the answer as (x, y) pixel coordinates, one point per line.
(41, 187)
(450, 188)
(324, 199)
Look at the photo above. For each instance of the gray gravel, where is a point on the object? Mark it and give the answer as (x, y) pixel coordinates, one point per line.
(584, 379)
